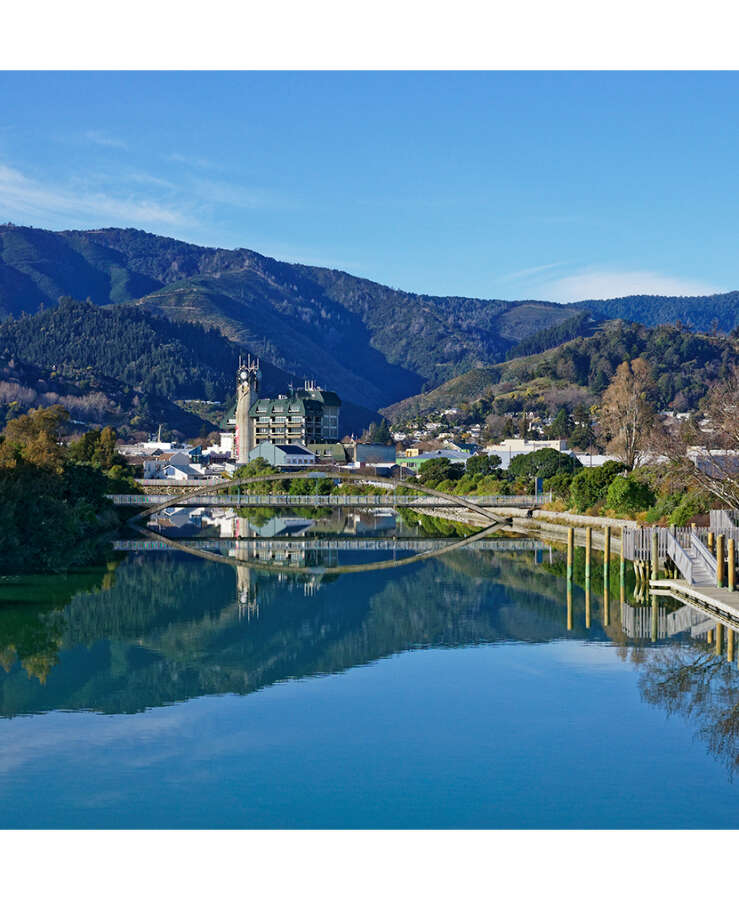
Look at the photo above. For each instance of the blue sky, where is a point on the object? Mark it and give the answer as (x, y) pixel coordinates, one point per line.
(515, 185)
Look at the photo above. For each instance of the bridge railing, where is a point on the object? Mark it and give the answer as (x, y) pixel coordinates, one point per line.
(678, 555)
(287, 545)
(708, 558)
(638, 541)
(370, 500)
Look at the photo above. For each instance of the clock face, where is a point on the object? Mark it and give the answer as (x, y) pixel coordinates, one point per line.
(243, 376)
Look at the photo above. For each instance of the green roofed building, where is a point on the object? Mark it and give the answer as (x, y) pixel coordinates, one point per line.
(330, 454)
(307, 415)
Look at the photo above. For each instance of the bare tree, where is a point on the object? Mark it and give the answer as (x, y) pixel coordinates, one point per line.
(705, 453)
(627, 414)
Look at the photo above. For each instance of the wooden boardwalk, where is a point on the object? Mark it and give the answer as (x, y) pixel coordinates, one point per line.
(721, 603)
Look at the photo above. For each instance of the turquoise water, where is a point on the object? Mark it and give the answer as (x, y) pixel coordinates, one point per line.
(184, 693)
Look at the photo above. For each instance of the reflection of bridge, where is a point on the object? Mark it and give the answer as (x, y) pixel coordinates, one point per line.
(286, 544)
(496, 518)
(336, 500)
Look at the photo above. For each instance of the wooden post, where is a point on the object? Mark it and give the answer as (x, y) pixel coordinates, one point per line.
(570, 559)
(711, 541)
(709, 636)
(570, 551)
(588, 554)
(731, 564)
(719, 639)
(719, 560)
(606, 575)
(655, 555)
(730, 644)
(655, 618)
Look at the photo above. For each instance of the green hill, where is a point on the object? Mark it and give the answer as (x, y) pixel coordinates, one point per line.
(124, 347)
(684, 366)
(373, 343)
(93, 400)
(695, 313)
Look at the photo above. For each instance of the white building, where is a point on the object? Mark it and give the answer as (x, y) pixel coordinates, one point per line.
(518, 446)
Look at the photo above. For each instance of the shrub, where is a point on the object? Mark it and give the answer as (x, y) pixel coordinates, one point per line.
(590, 486)
(691, 505)
(482, 464)
(663, 507)
(440, 469)
(559, 485)
(629, 494)
(543, 463)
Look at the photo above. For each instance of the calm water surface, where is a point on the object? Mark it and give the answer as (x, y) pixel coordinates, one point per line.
(170, 691)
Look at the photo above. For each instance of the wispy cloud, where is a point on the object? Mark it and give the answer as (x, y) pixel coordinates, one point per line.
(105, 140)
(195, 162)
(27, 198)
(535, 270)
(596, 284)
(230, 193)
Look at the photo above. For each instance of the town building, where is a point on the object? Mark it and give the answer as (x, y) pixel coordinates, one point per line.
(334, 454)
(283, 456)
(414, 463)
(371, 454)
(307, 415)
(512, 447)
(248, 380)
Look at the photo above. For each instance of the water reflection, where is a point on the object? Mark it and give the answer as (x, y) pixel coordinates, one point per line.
(689, 673)
(160, 627)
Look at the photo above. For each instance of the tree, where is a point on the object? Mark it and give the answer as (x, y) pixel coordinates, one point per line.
(705, 452)
(628, 494)
(97, 448)
(35, 437)
(542, 463)
(482, 464)
(627, 414)
(561, 425)
(434, 471)
(377, 433)
(590, 486)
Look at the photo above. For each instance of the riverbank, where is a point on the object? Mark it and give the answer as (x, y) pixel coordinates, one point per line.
(544, 524)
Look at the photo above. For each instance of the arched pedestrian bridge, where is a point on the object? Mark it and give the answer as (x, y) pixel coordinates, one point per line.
(227, 492)
(423, 497)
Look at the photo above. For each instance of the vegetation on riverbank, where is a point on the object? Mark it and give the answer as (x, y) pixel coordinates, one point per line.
(54, 515)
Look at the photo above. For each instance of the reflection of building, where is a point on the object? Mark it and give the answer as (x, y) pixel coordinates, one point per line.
(246, 589)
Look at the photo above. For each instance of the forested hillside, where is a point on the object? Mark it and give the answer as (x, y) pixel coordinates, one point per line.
(91, 399)
(720, 311)
(101, 353)
(373, 343)
(174, 360)
(683, 364)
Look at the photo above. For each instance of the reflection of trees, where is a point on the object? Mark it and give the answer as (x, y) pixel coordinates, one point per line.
(694, 683)
(31, 618)
(168, 627)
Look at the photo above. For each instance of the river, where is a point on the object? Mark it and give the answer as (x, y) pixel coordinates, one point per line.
(165, 690)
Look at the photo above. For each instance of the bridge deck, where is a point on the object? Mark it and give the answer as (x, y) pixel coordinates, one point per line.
(291, 544)
(525, 501)
(719, 602)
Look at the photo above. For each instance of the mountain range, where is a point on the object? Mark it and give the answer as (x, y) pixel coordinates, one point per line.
(376, 345)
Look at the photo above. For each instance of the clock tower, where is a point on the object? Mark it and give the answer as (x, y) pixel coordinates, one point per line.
(248, 379)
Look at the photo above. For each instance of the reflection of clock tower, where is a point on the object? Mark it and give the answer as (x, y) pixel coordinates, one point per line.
(248, 379)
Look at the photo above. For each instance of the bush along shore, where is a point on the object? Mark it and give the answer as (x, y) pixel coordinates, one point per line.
(54, 515)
